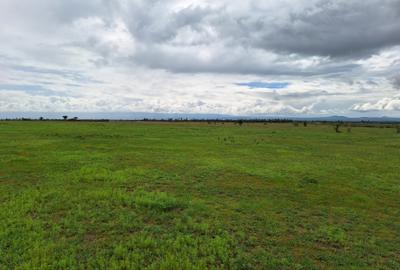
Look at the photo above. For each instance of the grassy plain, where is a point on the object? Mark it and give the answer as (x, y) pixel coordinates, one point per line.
(119, 195)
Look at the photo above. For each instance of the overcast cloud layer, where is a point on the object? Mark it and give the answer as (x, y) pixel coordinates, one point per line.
(286, 57)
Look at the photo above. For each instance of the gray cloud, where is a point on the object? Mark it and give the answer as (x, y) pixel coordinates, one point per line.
(337, 28)
(396, 81)
(221, 39)
(255, 38)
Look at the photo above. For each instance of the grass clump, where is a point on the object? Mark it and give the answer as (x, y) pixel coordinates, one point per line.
(184, 251)
(157, 200)
(332, 235)
(306, 181)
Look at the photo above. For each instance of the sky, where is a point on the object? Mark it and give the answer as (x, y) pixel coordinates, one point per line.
(255, 57)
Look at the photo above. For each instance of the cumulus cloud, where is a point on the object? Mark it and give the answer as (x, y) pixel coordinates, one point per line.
(385, 104)
(191, 56)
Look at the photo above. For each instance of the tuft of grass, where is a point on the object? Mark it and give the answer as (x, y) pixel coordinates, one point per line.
(305, 181)
(332, 235)
(157, 200)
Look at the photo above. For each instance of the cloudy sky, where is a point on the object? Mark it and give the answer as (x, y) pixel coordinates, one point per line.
(276, 57)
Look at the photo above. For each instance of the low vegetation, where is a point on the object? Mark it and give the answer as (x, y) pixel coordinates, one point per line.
(119, 195)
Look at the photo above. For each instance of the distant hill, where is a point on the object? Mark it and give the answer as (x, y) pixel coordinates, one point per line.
(352, 119)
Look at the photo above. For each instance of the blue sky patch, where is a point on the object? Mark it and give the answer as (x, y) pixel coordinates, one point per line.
(33, 89)
(265, 85)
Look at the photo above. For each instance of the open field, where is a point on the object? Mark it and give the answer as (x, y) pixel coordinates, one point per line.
(119, 195)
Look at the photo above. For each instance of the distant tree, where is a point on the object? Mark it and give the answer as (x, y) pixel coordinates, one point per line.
(398, 129)
(75, 118)
(41, 118)
(65, 117)
(337, 128)
(305, 124)
(240, 122)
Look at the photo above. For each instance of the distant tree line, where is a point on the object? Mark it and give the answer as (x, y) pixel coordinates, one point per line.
(212, 121)
(337, 125)
(64, 118)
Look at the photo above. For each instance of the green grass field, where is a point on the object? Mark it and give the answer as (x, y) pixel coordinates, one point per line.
(120, 195)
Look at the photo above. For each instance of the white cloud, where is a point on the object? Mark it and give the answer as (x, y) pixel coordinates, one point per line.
(385, 104)
(187, 56)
